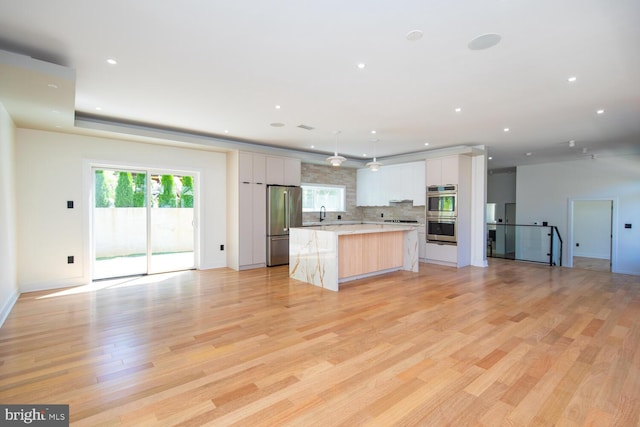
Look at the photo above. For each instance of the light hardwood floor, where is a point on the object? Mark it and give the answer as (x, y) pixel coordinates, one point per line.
(513, 344)
(596, 264)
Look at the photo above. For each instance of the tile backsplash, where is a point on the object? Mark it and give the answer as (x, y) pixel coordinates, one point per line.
(400, 210)
(320, 174)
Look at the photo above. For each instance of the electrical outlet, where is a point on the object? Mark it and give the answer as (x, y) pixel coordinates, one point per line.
(577, 245)
(381, 215)
(222, 247)
(70, 259)
(69, 204)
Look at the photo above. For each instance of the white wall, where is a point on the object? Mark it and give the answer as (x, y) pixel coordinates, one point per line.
(8, 278)
(478, 211)
(544, 193)
(52, 168)
(592, 228)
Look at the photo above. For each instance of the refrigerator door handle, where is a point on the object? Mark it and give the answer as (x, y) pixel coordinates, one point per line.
(277, 238)
(286, 210)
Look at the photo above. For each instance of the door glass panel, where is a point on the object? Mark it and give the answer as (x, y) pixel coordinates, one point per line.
(171, 222)
(120, 223)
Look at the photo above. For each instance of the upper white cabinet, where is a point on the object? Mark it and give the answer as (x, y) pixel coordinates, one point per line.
(443, 170)
(251, 168)
(292, 171)
(275, 170)
(282, 170)
(391, 183)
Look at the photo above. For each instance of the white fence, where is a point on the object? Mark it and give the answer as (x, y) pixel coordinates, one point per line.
(123, 231)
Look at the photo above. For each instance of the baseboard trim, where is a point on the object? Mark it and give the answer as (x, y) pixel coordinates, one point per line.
(6, 309)
(48, 286)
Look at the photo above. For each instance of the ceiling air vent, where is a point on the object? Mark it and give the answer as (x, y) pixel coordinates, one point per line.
(305, 127)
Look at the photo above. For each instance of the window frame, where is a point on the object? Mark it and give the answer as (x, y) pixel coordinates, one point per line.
(306, 186)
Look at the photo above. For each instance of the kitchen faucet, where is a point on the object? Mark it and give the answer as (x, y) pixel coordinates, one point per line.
(323, 217)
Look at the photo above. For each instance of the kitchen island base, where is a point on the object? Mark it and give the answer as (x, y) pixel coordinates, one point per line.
(326, 256)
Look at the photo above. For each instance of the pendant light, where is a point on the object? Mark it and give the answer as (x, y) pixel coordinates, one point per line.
(336, 160)
(375, 164)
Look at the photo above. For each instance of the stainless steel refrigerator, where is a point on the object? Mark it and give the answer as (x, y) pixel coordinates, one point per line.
(284, 210)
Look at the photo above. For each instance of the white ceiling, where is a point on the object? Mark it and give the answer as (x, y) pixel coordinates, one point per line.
(208, 67)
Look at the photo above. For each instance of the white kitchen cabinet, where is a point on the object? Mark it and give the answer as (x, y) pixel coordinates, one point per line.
(252, 196)
(251, 167)
(248, 174)
(443, 170)
(366, 181)
(246, 219)
(391, 183)
(275, 170)
(259, 225)
(453, 170)
(292, 171)
(282, 170)
(444, 254)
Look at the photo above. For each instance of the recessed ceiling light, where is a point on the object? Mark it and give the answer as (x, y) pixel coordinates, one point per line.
(361, 65)
(53, 86)
(426, 143)
(600, 112)
(277, 107)
(572, 79)
(364, 154)
(414, 35)
(226, 131)
(506, 129)
(373, 132)
(490, 158)
(528, 154)
(98, 108)
(111, 61)
(484, 41)
(277, 125)
(313, 146)
(457, 110)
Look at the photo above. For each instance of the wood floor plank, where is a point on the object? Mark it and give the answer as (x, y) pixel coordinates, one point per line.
(512, 344)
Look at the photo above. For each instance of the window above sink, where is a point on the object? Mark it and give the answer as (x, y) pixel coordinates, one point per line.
(332, 197)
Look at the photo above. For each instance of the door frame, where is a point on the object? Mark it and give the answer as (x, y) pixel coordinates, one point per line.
(88, 165)
(614, 228)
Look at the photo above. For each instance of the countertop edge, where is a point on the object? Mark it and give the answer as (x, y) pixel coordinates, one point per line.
(364, 229)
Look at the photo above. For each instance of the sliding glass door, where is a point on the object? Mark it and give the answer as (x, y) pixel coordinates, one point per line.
(171, 223)
(143, 222)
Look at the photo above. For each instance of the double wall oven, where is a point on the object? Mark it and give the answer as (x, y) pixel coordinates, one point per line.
(442, 215)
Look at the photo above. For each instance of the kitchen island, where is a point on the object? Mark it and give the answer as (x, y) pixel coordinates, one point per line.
(328, 255)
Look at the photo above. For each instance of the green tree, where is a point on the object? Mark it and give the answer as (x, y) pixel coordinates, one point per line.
(186, 196)
(102, 191)
(139, 192)
(124, 190)
(167, 198)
